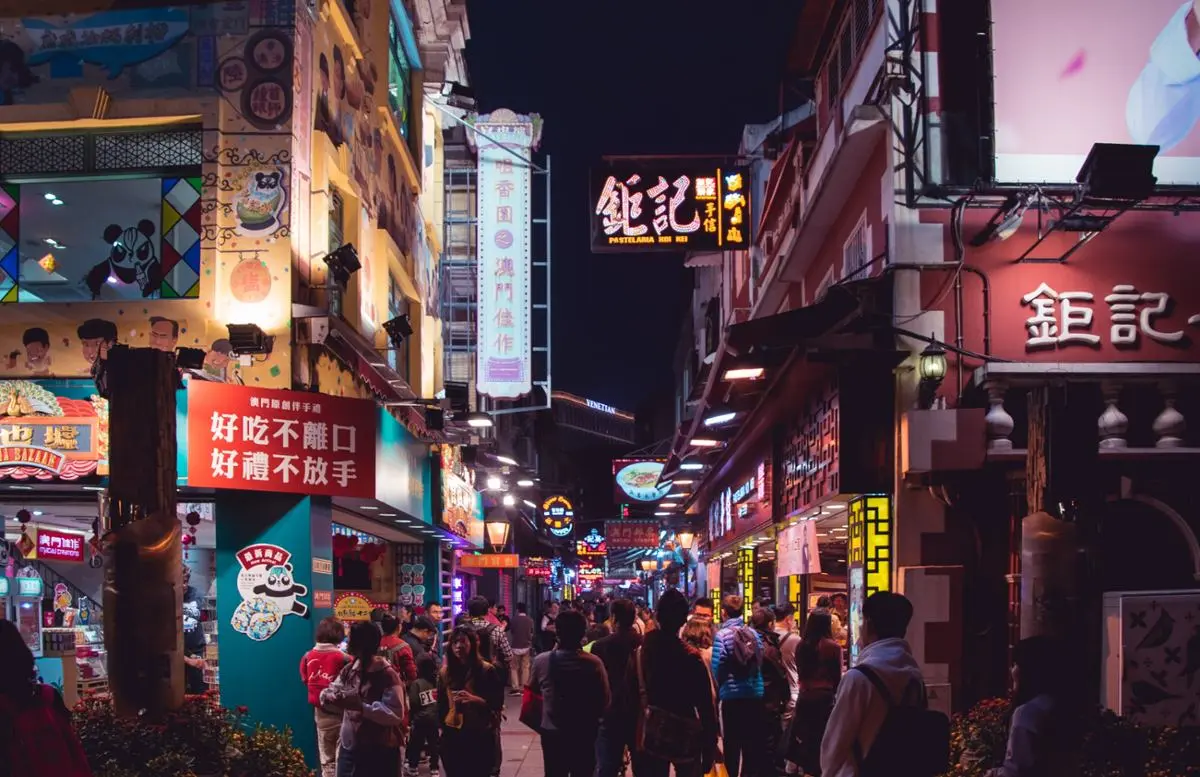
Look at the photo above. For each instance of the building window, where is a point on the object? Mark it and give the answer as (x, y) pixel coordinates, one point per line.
(399, 78)
(397, 357)
(856, 251)
(100, 238)
(337, 221)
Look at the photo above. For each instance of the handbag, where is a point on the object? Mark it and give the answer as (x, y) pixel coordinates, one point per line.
(664, 734)
(531, 709)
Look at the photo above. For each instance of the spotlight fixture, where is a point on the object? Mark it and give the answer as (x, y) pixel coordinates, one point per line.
(525, 483)
(691, 464)
(1006, 221)
(398, 328)
(509, 500)
(247, 339)
(189, 358)
(435, 419)
(662, 513)
(701, 441)
(507, 460)
(494, 483)
(668, 505)
(932, 367)
(719, 416)
(743, 372)
(479, 420)
(683, 481)
(1119, 171)
(342, 263)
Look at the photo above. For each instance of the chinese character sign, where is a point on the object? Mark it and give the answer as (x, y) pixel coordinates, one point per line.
(49, 437)
(1124, 317)
(506, 142)
(592, 544)
(659, 205)
(622, 535)
(290, 441)
(59, 546)
(558, 516)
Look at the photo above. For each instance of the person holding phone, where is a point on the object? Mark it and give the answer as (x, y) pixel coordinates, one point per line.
(470, 698)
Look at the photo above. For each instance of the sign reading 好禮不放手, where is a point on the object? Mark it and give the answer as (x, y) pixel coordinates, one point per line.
(269, 440)
(661, 205)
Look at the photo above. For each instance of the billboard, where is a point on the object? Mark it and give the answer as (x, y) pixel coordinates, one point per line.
(506, 141)
(296, 442)
(459, 504)
(637, 480)
(1060, 86)
(665, 205)
(592, 544)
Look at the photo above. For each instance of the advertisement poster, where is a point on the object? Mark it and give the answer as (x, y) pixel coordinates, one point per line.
(798, 552)
(460, 505)
(1130, 76)
(637, 480)
(268, 589)
(268, 440)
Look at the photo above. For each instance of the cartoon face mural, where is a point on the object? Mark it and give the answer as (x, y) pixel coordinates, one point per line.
(132, 258)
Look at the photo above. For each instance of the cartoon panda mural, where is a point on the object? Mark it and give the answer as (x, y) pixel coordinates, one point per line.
(132, 258)
(280, 588)
(269, 591)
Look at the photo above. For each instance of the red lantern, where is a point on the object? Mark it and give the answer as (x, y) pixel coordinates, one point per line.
(250, 280)
(343, 545)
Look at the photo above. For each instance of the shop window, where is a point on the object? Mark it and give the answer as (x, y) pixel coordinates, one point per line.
(100, 238)
(399, 78)
(856, 251)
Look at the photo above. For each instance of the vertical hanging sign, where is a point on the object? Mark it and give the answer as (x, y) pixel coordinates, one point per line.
(505, 141)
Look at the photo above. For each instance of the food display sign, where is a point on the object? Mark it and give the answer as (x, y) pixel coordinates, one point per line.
(269, 440)
(539, 567)
(593, 544)
(558, 516)
(623, 535)
(659, 205)
(59, 546)
(637, 480)
(460, 507)
(268, 589)
(48, 437)
(352, 608)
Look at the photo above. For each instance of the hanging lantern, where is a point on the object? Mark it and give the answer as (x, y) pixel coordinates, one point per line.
(25, 544)
(250, 280)
(192, 519)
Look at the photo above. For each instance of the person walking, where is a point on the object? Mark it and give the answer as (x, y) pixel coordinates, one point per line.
(667, 678)
(698, 636)
(575, 694)
(886, 664)
(495, 649)
(737, 662)
(789, 640)
(371, 696)
(520, 639)
(36, 737)
(468, 698)
(546, 635)
(319, 667)
(397, 650)
(818, 660)
(776, 691)
(423, 710)
(615, 651)
(420, 636)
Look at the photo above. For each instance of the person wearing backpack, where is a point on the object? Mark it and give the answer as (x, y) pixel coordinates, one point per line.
(880, 723)
(737, 662)
(495, 649)
(36, 737)
(776, 689)
(396, 650)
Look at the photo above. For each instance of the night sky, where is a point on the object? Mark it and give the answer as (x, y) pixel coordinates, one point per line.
(620, 77)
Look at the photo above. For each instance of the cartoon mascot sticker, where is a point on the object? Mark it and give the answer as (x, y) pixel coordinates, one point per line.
(269, 591)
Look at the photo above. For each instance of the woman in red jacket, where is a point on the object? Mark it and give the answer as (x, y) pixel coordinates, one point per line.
(318, 669)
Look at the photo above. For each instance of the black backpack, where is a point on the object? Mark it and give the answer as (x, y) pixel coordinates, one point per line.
(746, 653)
(914, 741)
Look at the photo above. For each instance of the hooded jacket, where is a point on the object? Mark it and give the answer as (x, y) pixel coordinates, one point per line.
(729, 684)
(859, 711)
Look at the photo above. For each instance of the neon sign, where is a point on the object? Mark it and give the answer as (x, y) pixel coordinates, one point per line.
(558, 516)
(603, 408)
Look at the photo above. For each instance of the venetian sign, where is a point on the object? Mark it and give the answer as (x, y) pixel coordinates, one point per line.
(558, 516)
(504, 359)
(661, 205)
(269, 440)
(48, 437)
(269, 591)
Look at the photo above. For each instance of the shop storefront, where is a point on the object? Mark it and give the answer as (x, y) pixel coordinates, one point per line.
(459, 508)
(741, 525)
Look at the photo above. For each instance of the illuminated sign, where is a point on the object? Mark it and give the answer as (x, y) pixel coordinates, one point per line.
(592, 544)
(47, 437)
(459, 506)
(490, 561)
(3, 586)
(637, 479)
(603, 408)
(661, 205)
(504, 359)
(631, 534)
(746, 490)
(29, 586)
(869, 555)
(59, 546)
(558, 516)
(537, 566)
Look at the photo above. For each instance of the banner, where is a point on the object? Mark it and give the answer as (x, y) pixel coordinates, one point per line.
(623, 535)
(797, 552)
(506, 141)
(268, 440)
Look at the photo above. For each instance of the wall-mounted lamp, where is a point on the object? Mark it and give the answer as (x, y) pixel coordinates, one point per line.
(479, 420)
(932, 367)
(686, 538)
(249, 339)
(398, 328)
(497, 527)
(342, 263)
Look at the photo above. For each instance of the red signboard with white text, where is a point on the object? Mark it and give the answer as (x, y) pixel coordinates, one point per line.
(623, 535)
(59, 546)
(251, 439)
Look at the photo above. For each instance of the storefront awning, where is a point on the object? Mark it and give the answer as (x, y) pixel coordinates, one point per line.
(840, 307)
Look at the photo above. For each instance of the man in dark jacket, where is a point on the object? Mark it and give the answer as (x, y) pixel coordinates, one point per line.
(420, 636)
(676, 681)
(616, 729)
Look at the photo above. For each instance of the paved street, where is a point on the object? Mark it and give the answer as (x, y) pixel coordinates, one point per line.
(522, 748)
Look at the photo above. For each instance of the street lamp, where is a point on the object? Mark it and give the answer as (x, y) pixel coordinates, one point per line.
(685, 538)
(497, 527)
(932, 368)
(649, 565)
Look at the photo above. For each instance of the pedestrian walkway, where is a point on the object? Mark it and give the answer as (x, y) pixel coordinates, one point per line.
(522, 747)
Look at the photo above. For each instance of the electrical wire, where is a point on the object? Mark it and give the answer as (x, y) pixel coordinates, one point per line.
(956, 226)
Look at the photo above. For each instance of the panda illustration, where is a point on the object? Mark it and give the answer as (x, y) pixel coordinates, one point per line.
(260, 202)
(132, 258)
(280, 588)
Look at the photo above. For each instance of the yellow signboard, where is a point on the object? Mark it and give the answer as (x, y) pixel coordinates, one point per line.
(351, 607)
